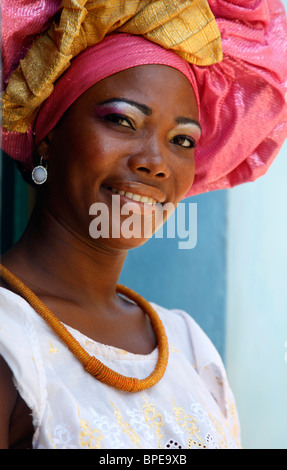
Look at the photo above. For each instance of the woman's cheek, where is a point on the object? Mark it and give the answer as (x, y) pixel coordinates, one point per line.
(184, 179)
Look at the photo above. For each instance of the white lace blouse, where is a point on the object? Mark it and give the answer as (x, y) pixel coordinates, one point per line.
(192, 407)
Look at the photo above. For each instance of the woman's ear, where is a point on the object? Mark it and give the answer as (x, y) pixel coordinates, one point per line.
(42, 149)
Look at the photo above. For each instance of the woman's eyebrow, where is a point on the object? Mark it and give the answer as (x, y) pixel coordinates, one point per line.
(142, 107)
(185, 120)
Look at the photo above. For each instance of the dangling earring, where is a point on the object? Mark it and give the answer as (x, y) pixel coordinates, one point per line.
(39, 173)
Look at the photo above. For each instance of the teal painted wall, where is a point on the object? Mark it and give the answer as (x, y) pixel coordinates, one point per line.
(15, 198)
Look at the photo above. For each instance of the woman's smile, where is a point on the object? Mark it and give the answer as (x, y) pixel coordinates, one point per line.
(132, 196)
(137, 191)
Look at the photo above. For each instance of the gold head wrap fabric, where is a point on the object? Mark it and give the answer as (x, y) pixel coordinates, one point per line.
(187, 27)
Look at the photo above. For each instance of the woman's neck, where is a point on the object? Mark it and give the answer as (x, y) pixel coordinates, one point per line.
(53, 258)
(77, 281)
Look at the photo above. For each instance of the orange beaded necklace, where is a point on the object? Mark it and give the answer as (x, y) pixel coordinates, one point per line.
(91, 364)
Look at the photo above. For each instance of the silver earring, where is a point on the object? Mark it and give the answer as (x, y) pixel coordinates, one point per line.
(39, 173)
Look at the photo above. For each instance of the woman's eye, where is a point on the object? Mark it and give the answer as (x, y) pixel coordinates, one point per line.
(120, 120)
(184, 141)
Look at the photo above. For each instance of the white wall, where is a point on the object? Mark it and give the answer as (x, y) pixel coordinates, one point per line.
(257, 306)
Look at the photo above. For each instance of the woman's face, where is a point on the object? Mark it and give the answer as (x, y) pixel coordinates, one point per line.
(129, 139)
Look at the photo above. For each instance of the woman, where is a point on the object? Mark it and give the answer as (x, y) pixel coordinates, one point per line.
(86, 363)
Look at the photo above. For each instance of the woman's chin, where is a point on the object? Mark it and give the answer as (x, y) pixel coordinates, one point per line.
(121, 243)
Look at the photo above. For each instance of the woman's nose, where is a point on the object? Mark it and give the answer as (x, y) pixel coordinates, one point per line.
(150, 163)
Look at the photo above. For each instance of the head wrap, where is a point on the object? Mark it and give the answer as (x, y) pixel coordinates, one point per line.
(242, 97)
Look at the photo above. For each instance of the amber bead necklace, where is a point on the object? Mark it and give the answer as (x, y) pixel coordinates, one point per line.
(91, 364)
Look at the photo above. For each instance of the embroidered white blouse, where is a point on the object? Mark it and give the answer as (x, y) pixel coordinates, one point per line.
(192, 407)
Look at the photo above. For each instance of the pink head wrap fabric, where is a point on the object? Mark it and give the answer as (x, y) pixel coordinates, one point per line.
(243, 110)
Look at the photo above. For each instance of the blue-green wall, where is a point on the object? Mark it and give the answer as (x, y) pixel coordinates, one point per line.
(15, 204)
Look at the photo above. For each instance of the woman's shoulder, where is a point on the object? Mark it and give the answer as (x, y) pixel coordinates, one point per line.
(19, 344)
(182, 325)
(14, 322)
(18, 337)
(183, 328)
(186, 335)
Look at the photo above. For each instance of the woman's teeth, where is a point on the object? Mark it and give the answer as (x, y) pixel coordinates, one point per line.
(134, 197)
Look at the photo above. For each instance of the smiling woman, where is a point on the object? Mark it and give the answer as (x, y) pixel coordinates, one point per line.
(141, 151)
(126, 124)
